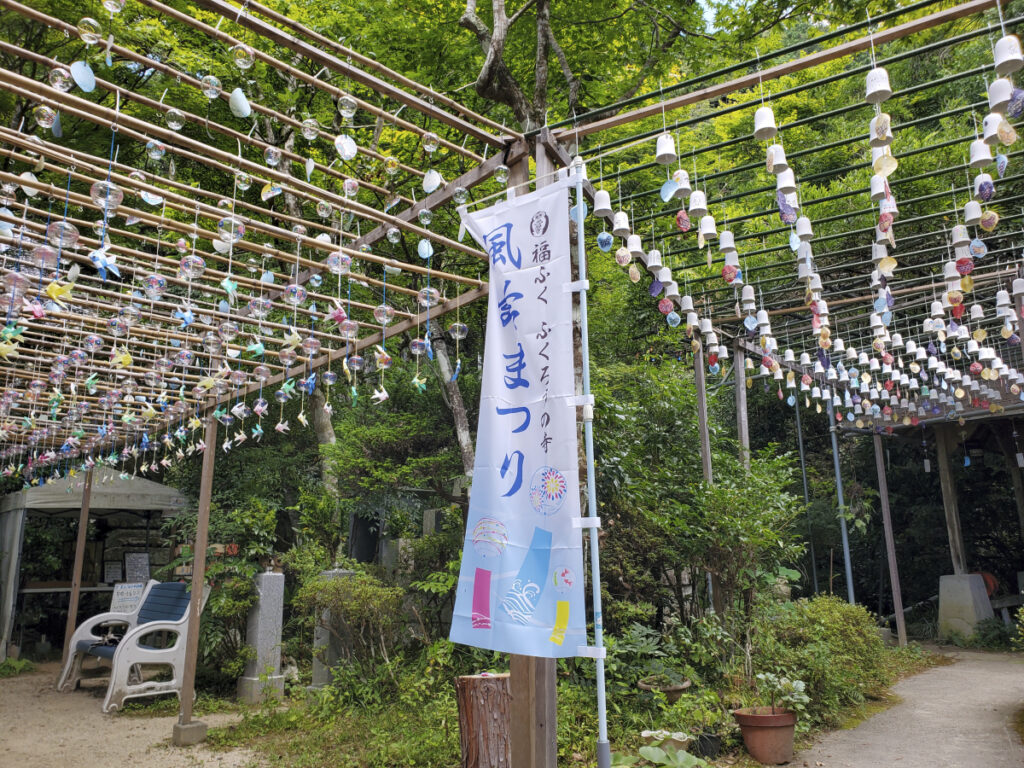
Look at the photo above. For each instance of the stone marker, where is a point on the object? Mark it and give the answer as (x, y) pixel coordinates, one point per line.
(326, 644)
(963, 602)
(262, 678)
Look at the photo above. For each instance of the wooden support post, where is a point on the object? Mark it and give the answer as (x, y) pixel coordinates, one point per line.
(739, 357)
(1008, 447)
(76, 576)
(943, 435)
(185, 731)
(534, 727)
(483, 718)
(702, 413)
(890, 542)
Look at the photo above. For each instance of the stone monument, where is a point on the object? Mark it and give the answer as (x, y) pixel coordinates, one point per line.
(262, 678)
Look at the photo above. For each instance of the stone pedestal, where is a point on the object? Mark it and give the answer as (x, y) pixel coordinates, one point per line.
(262, 678)
(189, 734)
(326, 645)
(963, 602)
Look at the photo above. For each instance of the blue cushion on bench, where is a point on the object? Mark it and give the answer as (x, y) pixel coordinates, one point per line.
(103, 651)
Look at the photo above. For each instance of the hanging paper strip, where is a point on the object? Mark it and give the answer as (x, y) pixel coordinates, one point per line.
(521, 589)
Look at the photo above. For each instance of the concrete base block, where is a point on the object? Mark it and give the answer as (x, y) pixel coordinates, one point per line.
(189, 734)
(252, 690)
(963, 602)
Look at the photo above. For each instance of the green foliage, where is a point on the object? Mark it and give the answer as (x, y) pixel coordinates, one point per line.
(740, 527)
(701, 711)
(831, 645)
(366, 614)
(989, 635)
(780, 691)
(668, 755)
(993, 635)
(45, 539)
(10, 667)
(1018, 638)
(245, 538)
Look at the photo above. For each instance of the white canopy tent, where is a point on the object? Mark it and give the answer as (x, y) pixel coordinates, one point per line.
(111, 495)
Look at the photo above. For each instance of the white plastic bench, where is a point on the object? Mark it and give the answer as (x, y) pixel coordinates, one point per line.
(163, 608)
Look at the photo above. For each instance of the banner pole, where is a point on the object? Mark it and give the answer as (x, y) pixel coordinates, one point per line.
(604, 755)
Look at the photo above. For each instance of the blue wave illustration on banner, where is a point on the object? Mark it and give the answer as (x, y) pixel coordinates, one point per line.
(521, 599)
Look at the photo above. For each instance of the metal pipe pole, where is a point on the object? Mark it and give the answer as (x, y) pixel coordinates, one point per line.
(807, 495)
(890, 543)
(604, 755)
(76, 575)
(842, 504)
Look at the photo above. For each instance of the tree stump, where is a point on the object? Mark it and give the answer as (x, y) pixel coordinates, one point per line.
(484, 717)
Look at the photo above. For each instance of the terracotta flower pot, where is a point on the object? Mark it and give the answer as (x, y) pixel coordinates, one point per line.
(672, 692)
(767, 733)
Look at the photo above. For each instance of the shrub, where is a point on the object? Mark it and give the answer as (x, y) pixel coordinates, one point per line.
(10, 667)
(991, 635)
(248, 533)
(834, 647)
(365, 612)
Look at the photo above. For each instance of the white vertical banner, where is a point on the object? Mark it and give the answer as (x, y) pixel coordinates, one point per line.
(521, 585)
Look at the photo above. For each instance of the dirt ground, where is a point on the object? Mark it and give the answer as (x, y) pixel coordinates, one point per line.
(46, 729)
(956, 716)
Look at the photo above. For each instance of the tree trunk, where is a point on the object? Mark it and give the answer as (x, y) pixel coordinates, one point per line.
(484, 717)
(455, 403)
(323, 429)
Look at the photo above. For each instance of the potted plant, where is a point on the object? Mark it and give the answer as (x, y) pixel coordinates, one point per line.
(701, 712)
(708, 719)
(664, 679)
(768, 730)
(664, 739)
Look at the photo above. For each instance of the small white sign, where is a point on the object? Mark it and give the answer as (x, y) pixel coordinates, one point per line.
(126, 597)
(136, 566)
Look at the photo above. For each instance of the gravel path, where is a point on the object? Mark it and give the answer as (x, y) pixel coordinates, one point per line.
(45, 729)
(957, 716)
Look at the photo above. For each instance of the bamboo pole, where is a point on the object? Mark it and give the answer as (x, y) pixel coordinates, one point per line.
(276, 64)
(210, 156)
(352, 55)
(333, 63)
